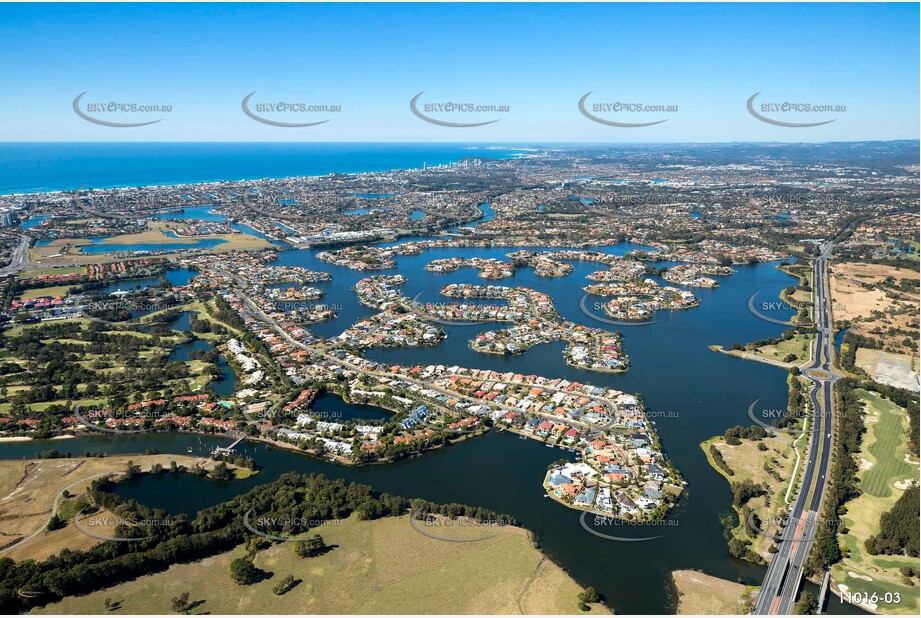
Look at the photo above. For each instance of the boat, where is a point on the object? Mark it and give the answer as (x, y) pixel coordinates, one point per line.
(188, 450)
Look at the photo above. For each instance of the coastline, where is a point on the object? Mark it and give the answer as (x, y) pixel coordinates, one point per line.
(491, 152)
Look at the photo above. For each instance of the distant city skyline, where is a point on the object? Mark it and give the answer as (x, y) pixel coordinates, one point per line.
(547, 73)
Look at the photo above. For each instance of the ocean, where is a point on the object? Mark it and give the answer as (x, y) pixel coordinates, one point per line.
(64, 166)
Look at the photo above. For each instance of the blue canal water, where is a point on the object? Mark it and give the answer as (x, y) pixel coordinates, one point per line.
(201, 213)
(332, 408)
(98, 247)
(64, 166)
(175, 277)
(206, 213)
(227, 383)
(693, 392)
(33, 221)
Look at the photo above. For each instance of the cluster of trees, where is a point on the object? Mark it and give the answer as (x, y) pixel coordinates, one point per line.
(744, 491)
(227, 315)
(796, 401)
(719, 461)
(54, 373)
(806, 605)
(206, 326)
(899, 533)
(292, 498)
(738, 547)
(242, 461)
(851, 342)
(842, 480)
(735, 435)
(285, 585)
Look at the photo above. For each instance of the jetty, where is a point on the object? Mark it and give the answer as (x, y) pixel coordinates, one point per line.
(823, 591)
(227, 450)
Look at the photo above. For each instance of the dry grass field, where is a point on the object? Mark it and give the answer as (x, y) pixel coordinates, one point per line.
(859, 294)
(29, 488)
(700, 594)
(375, 567)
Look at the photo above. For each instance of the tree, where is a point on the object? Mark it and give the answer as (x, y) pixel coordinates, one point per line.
(310, 547)
(132, 470)
(55, 523)
(806, 605)
(589, 595)
(244, 572)
(181, 603)
(284, 585)
(221, 472)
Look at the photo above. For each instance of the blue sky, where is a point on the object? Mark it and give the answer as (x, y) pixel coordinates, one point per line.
(538, 59)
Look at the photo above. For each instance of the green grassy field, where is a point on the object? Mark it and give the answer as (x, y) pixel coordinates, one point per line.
(57, 290)
(747, 463)
(382, 566)
(799, 345)
(882, 461)
(198, 379)
(52, 271)
(887, 448)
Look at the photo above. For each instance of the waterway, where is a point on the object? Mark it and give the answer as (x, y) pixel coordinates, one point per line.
(691, 392)
(223, 386)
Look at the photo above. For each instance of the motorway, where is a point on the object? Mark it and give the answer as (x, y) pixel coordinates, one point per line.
(20, 258)
(785, 572)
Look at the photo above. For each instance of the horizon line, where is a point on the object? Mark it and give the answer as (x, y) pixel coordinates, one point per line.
(494, 143)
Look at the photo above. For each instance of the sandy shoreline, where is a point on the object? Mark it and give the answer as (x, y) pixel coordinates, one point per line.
(28, 439)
